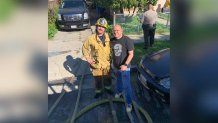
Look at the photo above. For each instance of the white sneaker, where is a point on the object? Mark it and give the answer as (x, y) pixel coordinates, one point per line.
(129, 107)
(118, 95)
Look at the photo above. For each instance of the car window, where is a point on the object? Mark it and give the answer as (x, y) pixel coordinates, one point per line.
(72, 4)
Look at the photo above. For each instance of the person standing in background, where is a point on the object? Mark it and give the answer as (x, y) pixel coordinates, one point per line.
(148, 21)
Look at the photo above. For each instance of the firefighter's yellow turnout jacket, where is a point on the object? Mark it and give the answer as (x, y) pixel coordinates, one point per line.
(94, 48)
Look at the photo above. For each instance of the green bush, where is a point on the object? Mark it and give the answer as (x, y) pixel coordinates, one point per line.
(52, 16)
(52, 30)
(7, 8)
(110, 30)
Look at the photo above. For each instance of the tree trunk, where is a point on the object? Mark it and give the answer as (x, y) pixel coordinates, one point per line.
(129, 10)
(121, 10)
(134, 10)
(121, 7)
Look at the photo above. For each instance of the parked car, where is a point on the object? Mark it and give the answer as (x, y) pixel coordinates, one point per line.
(154, 75)
(73, 14)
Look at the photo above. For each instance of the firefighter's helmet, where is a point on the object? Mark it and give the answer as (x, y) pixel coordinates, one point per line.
(102, 22)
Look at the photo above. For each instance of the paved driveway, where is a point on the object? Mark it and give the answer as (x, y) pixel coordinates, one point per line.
(65, 43)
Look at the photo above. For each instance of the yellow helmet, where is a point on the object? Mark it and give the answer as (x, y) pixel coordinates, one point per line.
(102, 22)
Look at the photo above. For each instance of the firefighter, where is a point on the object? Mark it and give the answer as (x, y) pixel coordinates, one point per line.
(96, 50)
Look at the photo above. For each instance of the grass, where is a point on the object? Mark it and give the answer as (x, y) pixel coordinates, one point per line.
(163, 16)
(140, 52)
(137, 29)
(132, 26)
(161, 28)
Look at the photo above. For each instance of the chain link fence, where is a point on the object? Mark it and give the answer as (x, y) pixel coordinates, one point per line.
(132, 26)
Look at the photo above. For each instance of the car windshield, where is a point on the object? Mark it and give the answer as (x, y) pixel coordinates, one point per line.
(72, 4)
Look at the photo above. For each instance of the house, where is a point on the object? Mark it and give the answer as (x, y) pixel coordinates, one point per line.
(160, 4)
(158, 7)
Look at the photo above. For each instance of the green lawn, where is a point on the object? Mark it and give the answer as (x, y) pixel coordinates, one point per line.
(161, 28)
(130, 29)
(132, 26)
(139, 51)
(163, 16)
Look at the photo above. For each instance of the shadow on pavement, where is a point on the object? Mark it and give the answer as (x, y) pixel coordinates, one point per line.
(76, 66)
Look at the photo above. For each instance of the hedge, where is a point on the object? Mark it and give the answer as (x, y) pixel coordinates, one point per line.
(52, 16)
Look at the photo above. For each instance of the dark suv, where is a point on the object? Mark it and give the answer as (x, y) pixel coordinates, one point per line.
(73, 14)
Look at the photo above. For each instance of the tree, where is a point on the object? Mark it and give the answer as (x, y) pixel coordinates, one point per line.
(119, 5)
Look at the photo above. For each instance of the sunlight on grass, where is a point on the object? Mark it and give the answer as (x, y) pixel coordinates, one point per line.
(139, 51)
(163, 16)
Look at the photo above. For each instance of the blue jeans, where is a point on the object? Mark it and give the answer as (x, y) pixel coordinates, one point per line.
(123, 84)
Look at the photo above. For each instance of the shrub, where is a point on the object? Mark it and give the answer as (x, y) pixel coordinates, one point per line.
(109, 30)
(51, 30)
(52, 16)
